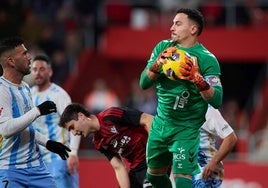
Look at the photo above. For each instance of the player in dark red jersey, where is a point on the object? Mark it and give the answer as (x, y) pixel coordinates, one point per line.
(119, 133)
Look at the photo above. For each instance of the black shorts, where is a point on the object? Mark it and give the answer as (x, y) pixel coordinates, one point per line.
(137, 175)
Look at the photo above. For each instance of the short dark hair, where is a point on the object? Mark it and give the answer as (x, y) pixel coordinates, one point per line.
(10, 43)
(195, 15)
(42, 57)
(71, 113)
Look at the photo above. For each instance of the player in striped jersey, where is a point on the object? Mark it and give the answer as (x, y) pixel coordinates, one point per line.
(64, 172)
(20, 161)
(119, 133)
(209, 157)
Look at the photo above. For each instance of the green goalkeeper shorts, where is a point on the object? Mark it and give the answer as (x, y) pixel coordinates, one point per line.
(173, 145)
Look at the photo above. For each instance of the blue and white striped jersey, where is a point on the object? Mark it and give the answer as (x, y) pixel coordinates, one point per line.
(18, 148)
(214, 127)
(48, 125)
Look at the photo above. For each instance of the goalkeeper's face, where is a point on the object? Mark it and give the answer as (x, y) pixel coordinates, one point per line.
(83, 126)
(182, 28)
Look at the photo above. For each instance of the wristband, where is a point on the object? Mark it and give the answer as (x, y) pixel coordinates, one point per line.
(200, 83)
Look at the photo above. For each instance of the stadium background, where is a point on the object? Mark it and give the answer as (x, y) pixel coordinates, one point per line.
(112, 40)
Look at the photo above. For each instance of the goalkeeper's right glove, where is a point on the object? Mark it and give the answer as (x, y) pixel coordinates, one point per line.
(161, 60)
(47, 107)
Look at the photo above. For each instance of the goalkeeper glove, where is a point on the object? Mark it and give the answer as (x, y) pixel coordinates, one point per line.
(157, 65)
(59, 148)
(189, 71)
(47, 107)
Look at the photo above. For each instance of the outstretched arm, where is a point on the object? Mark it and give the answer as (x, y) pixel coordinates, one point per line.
(73, 160)
(225, 148)
(18, 124)
(121, 172)
(22, 122)
(118, 165)
(146, 121)
(53, 146)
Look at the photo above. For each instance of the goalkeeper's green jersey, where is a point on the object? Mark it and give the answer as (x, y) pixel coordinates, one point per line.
(179, 102)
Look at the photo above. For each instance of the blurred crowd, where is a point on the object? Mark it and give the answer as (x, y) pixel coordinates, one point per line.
(63, 28)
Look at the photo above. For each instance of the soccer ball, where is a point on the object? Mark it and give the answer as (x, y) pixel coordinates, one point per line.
(172, 65)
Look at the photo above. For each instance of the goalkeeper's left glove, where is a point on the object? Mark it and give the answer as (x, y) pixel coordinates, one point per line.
(189, 70)
(58, 148)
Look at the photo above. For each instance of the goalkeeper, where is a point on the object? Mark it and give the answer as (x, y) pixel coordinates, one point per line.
(182, 104)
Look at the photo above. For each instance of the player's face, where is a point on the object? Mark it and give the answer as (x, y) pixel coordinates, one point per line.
(41, 72)
(182, 28)
(79, 127)
(21, 60)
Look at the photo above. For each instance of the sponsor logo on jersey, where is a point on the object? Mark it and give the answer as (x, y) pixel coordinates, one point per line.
(225, 127)
(113, 130)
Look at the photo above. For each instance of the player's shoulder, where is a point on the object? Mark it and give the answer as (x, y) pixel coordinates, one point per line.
(57, 93)
(4, 88)
(25, 84)
(111, 113)
(57, 89)
(112, 110)
(165, 43)
(214, 115)
(214, 120)
(34, 89)
(2, 82)
(204, 50)
(212, 112)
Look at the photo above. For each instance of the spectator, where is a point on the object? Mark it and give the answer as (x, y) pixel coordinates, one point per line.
(32, 28)
(101, 97)
(145, 101)
(238, 119)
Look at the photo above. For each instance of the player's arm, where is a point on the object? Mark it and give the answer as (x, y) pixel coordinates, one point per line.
(215, 93)
(118, 165)
(73, 160)
(225, 148)
(147, 77)
(63, 100)
(10, 126)
(217, 125)
(210, 87)
(121, 172)
(126, 116)
(53, 146)
(146, 121)
(18, 124)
